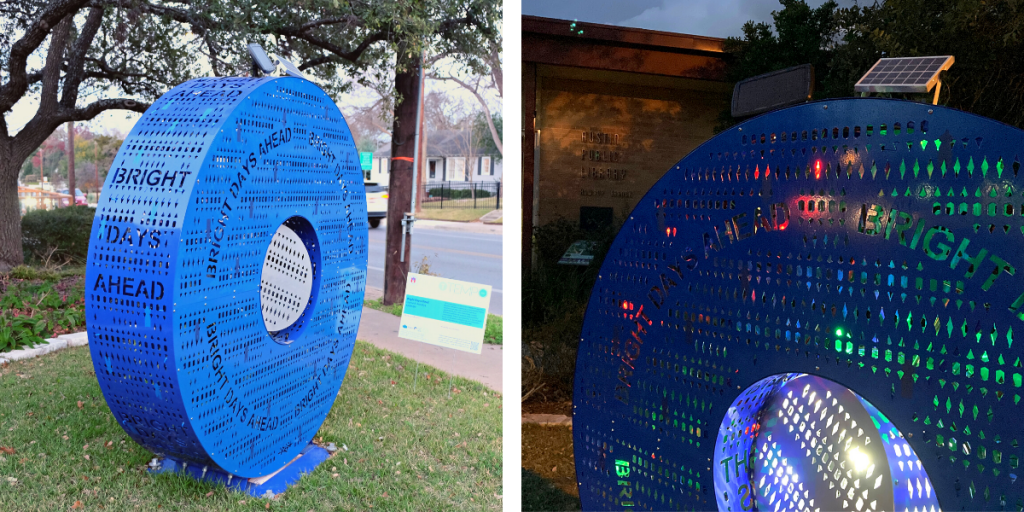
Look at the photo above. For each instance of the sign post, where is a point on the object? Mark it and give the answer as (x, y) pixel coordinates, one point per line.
(366, 162)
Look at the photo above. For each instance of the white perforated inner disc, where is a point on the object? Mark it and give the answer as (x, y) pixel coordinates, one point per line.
(287, 280)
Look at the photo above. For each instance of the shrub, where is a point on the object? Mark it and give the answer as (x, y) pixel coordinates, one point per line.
(28, 273)
(554, 303)
(64, 231)
(18, 332)
(38, 303)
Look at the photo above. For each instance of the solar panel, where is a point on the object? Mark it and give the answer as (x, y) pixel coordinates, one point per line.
(904, 74)
(773, 90)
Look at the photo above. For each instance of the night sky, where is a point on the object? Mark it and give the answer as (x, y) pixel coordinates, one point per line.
(717, 18)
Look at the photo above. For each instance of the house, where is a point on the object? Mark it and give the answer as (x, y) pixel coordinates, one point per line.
(447, 160)
(39, 199)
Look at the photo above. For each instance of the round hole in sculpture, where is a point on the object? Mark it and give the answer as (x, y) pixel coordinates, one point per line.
(801, 442)
(289, 279)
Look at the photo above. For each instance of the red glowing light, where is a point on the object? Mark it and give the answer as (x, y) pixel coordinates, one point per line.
(817, 169)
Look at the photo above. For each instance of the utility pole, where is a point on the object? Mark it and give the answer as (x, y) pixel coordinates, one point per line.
(422, 160)
(70, 149)
(398, 249)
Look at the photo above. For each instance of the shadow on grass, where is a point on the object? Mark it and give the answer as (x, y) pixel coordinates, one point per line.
(539, 495)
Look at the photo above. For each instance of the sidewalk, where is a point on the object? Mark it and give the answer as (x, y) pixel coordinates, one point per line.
(381, 329)
(465, 227)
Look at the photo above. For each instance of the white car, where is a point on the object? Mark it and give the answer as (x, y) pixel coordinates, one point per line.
(376, 202)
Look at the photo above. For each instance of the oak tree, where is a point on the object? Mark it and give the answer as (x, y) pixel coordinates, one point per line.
(374, 42)
(84, 57)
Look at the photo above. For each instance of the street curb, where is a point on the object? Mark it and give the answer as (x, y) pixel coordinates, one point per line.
(548, 420)
(76, 339)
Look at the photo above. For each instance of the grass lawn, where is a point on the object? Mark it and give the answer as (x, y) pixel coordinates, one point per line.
(492, 329)
(455, 214)
(60, 448)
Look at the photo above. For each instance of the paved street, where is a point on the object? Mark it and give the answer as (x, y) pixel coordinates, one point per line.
(473, 257)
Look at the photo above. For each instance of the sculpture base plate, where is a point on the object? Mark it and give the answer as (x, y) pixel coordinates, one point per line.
(262, 487)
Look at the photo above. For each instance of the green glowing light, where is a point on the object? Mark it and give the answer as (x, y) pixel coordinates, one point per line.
(839, 331)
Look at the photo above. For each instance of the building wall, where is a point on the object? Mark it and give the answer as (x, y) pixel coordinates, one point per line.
(446, 169)
(606, 138)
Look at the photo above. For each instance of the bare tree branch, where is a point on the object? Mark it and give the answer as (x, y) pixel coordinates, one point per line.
(494, 61)
(474, 89)
(350, 56)
(51, 72)
(99, 106)
(18, 83)
(76, 60)
(350, 20)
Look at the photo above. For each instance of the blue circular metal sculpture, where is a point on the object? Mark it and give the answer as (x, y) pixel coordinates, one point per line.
(870, 242)
(226, 272)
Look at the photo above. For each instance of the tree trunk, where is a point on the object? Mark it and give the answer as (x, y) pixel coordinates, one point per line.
(407, 85)
(10, 211)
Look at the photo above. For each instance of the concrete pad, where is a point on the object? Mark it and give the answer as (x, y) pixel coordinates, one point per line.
(25, 353)
(54, 344)
(51, 345)
(373, 293)
(491, 217)
(548, 419)
(381, 330)
(76, 339)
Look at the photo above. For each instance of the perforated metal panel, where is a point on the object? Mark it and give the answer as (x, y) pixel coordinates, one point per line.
(870, 242)
(226, 272)
(286, 280)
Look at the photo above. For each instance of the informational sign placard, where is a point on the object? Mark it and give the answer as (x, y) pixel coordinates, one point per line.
(581, 252)
(445, 312)
(365, 160)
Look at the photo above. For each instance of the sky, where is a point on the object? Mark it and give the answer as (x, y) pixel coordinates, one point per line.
(715, 18)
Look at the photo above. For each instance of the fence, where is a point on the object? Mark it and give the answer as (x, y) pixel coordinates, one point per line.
(462, 194)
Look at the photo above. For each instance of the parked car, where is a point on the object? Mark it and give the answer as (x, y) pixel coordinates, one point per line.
(80, 198)
(376, 202)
